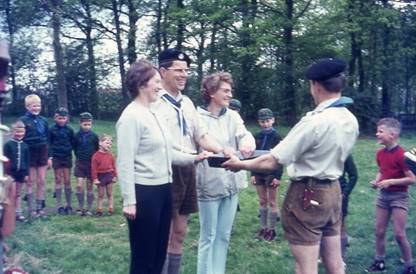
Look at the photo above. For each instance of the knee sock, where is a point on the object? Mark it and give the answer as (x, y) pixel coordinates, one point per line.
(272, 219)
(80, 196)
(344, 243)
(68, 197)
(29, 198)
(90, 200)
(58, 194)
(38, 205)
(263, 217)
(174, 263)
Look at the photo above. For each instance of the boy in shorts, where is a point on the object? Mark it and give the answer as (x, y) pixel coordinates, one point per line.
(85, 145)
(104, 174)
(267, 184)
(61, 138)
(36, 138)
(393, 180)
(17, 167)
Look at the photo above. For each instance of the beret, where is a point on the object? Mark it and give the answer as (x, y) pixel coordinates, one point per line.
(264, 114)
(85, 116)
(235, 104)
(61, 111)
(168, 55)
(324, 69)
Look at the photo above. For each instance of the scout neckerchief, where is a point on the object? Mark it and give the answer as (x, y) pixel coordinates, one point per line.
(178, 107)
(265, 134)
(40, 127)
(343, 101)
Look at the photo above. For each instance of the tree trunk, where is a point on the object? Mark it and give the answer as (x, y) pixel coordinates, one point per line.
(132, 34)
(10, 26)
(181, 27)
(385, 92)
(93, 95)
(58, 53)
(289, 91)
(158, 34)
(116, 12)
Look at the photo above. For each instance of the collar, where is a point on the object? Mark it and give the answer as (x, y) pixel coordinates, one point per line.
(341, 101)
(393, 149)
(17, 141)
(204, 110)
(178, 97)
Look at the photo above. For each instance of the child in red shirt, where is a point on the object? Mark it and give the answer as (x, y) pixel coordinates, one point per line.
(104, 173)
(392, 179)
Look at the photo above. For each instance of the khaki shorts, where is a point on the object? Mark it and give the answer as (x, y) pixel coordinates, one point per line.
(82, 169)
(390, 199)
(38, 156)
(62, 162)
(184, 197)
(307, 226)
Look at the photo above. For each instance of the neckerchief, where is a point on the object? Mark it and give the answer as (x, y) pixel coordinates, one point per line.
(222, 111)
(266, 134)
(178, 107)
(343, 101)
(40, 127)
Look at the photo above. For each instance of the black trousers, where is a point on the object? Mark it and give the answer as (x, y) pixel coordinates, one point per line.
(149, 232)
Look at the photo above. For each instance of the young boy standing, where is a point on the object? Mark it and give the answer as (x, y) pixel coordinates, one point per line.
(17, 167)
(104, 174)
(36, 138)
(267, 184)
(61, 138)
(85, 145)
(393, 180)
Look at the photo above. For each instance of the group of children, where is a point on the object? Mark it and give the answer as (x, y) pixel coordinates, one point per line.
(34, 147)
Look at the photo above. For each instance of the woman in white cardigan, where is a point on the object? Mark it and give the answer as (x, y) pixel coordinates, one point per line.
(144, 161)
(218, 188)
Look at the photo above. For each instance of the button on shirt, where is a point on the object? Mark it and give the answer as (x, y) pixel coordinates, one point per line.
(319, 143)
(194, 128)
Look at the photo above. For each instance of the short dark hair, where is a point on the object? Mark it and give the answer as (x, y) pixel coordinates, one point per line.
(334, 84)
(211, 83)
(139, 73)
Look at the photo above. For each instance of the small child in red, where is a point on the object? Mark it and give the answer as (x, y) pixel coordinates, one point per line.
(104, 173)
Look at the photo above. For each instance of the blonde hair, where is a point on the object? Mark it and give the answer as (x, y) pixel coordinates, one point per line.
(32, 98)
(392, 124)
(104, 137)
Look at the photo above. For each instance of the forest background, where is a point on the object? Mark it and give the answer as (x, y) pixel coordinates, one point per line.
(75, 53)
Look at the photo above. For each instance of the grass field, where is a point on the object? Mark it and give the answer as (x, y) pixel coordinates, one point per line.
(79, 245)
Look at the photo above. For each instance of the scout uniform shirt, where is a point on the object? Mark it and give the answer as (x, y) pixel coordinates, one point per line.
(182, 120)
(319, 143)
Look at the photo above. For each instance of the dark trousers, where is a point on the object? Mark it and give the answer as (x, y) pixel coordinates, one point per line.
(149, 232)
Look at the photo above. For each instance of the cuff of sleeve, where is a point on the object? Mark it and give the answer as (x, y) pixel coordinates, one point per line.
(129, 201)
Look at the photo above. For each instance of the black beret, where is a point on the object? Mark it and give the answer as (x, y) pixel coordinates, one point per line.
(85, 116)
(324, 69)
(61, 111)
(168, 55)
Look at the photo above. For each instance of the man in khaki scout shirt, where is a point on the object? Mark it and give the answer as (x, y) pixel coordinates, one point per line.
(314, 152)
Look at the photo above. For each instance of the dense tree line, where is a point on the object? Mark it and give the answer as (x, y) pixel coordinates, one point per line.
(265, 44)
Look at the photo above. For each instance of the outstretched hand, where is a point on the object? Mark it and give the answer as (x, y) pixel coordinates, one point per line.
(234, 164)
(202, 156)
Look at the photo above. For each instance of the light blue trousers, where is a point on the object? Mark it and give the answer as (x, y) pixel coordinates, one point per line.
(216, 220)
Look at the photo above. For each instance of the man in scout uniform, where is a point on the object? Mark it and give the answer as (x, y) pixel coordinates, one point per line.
(314, 152)
(187, 132)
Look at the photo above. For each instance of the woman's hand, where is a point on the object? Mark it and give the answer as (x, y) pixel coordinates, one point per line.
(202, 156)
(129, 212)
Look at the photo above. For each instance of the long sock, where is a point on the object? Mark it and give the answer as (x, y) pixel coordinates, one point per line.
(29, 198)
(263, 217)
(38, 205)
(344, 243)
(90, 200)
(272, 219)
(80, 196)
(58, 194)
(68, 196)
(174, 263)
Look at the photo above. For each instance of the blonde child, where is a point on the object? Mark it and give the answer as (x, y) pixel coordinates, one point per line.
(104, 173)
(36, 138)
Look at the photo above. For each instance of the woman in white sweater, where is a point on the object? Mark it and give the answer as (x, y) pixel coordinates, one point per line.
(218, 188)
(144, 163)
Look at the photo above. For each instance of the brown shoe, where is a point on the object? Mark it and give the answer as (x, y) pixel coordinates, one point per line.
(270, 235)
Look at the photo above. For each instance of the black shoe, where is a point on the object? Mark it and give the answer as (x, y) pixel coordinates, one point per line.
(43, 204)
(68, 210)
(61, 211)
(377, 266)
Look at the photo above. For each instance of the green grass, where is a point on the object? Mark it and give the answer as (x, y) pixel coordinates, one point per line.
(72, 244)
